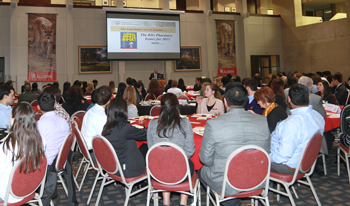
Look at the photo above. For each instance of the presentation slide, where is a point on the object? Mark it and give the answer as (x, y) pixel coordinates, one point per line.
(143, 36)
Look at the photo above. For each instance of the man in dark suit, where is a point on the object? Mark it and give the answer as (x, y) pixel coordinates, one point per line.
(155, 75)
(252, 85)
(225, 134)
(340, 92)
(28, 95)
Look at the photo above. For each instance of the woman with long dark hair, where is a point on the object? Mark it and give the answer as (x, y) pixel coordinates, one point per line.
(121, 88)
(171, 127)
(181, 85)
(23, 143)
(168, 86)
(66, 87)
(123, 136)
(277, 86)
(325, 92)
(75, 100)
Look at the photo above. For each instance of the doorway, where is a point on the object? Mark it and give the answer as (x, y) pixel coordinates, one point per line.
(264, 65)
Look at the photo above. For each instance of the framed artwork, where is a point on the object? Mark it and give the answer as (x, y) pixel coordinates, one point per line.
(93, 60)
(190, 59)
(227, 9)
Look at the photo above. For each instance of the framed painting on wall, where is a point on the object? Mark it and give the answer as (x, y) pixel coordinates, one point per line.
(190, 59)
(93, 60)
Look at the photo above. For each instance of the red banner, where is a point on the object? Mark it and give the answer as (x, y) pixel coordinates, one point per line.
(226, 71)
(41, 47)
(42, 76)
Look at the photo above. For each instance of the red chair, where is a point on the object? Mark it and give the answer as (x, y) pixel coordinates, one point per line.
(89, 164)
(160, 97)
(150, 97)
(108, 160)
(24, 185)
(155, 111)
(167, 168)
(345, 130)
(184, 97)
(62, 158)
(305, 169)
(35, 104)
(78, 115)
(247, 170)
(88, 93)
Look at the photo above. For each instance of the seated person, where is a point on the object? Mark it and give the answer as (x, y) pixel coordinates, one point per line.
(340, 92)
(326, 93)
(23, 130)
(123, 136)
(198, 85)
(75, 100)
(225, 134)
(212, 104)
(170, 127)
(174, 89)
(130, 97)
(292, 134)
(28, 95)
(252, 85)
(274, 113)
(52, 128)
(60, 111)
(154, 88)
(7, 95)
(181, 85)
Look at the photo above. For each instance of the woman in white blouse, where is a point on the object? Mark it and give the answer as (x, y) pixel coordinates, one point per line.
(130, 97)
(212, 104)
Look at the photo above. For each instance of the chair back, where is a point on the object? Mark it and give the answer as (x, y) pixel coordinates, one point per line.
(184, 97)
(310, 153)
(160, 97)
(64, 151)
(106, 155)
(247, 168)
(347, 99)
(167, 163)
(345, 120)
(81, 142)
(34, 103)
(150, 97)
(88, 93)
(22, 185)
(78, 115)
(155, 111)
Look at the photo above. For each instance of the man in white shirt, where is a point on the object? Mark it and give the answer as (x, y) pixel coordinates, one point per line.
(96, 117)
(174, 89)
(7, 95)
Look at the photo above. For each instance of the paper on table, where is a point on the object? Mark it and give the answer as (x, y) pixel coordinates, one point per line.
(192, 104)
(332, 108)
(199, 130)
(201, 115)
(132, 121)
(138, 126)
(334, 116)
(201, 118)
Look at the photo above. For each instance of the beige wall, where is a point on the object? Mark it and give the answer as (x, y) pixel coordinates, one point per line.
(86, 27)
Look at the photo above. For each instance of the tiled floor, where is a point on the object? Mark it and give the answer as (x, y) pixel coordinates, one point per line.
(331, 189)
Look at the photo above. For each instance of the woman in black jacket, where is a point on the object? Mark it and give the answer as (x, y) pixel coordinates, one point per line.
(123, 136)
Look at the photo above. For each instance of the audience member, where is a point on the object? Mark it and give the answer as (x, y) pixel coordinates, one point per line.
(60, 111)
(93, 100)
(174, 89)
(35, 89)
(274, 113)
(123, 136)
(75, 100)
(96, 117)
(7, 95)
(181, 85)
(52, 128)
(84, 87)
(56, 84)
(129, 81)
(28, 95)
(290, 81)
(212, 104)
(347, 84)
(314, 100)
(225, 134)
(217, 81)
(252, 85)
(95, 83)
(154, 88)
(168, 86)
(340, 92)
(143, 90)
(271, 77)
(325, 92)
(130, 98)
(237, 79)
(297, 76)
(292, 134)
(90, 87)
(139, 95)
(23, 143)
(277, 88)
(170, 127)
(162, 84)
(112, 87)
(229, 76)
(121, 89)
(197, 85)
(9, 83)
(225, 81)
(66, 87)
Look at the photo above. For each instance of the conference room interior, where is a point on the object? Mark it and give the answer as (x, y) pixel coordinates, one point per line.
(271, 36)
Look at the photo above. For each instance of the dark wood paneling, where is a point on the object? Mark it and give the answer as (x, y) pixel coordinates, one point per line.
(180, 4)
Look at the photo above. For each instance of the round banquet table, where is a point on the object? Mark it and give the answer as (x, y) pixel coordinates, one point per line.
(184, 110)
(197, 139)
